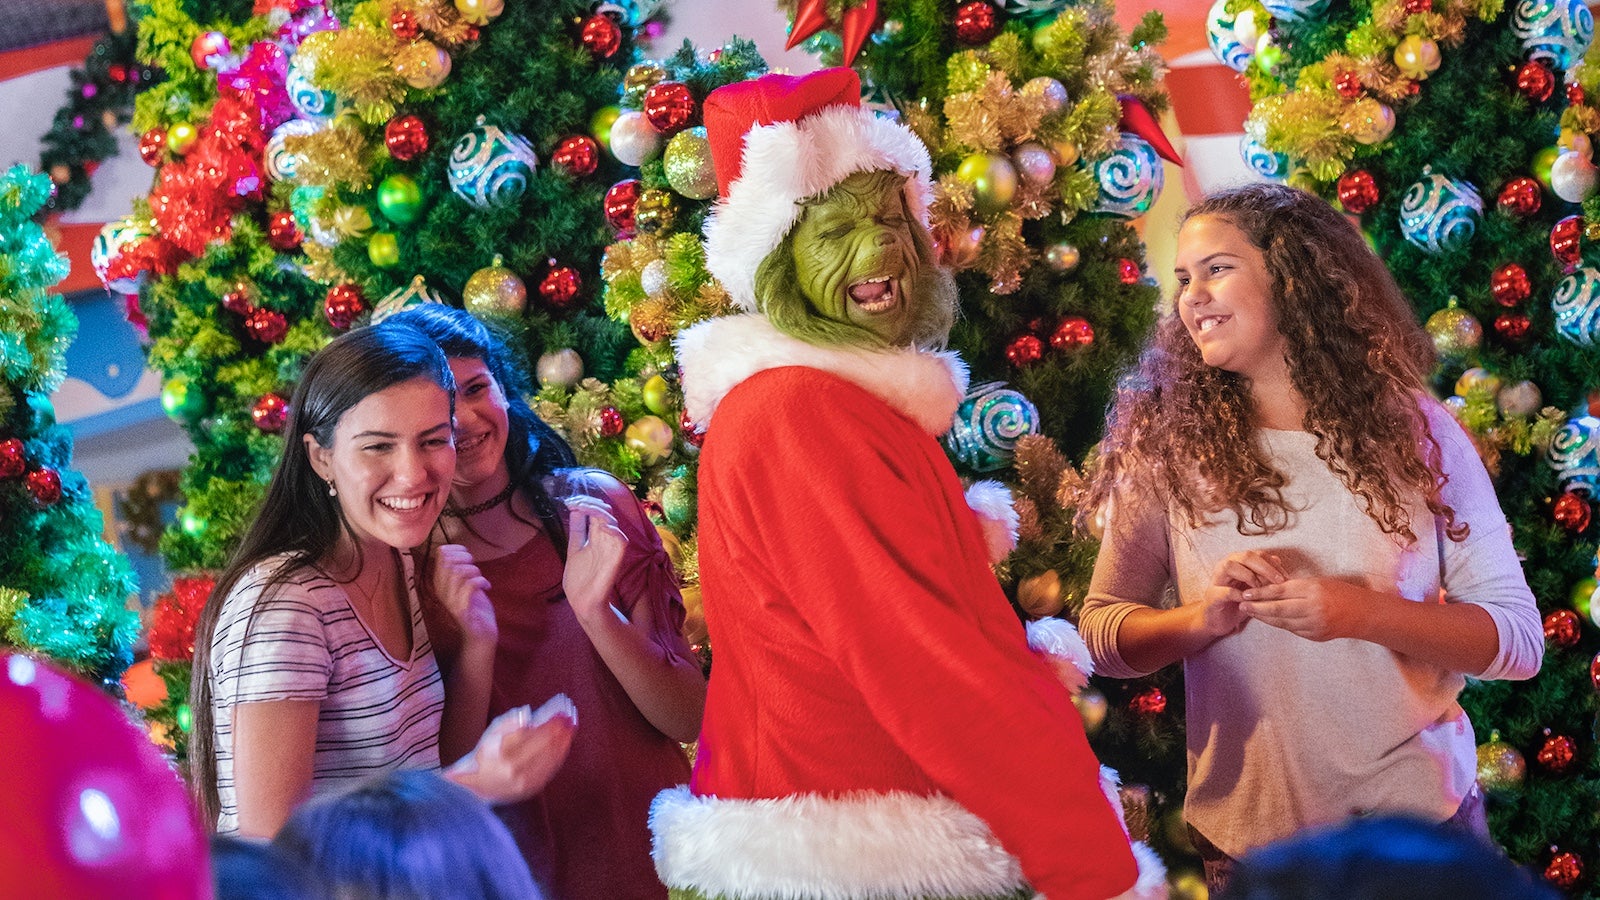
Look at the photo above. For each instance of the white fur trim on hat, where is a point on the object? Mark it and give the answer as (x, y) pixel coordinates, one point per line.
(882, 845)
(787, 162)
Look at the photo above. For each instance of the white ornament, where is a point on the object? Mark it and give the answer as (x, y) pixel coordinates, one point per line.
(1573, 177)
(562, 368)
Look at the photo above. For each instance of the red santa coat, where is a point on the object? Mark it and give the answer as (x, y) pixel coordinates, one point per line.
(870, 676)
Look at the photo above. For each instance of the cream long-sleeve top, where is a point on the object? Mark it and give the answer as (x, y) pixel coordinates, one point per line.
(1285, 732)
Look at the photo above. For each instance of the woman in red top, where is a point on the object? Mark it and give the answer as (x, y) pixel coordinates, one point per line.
(605, 629)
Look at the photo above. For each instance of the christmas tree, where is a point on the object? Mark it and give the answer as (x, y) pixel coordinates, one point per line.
(322, 165)
(100, 101)
(63, 590)
(1458, 135)
(1039, 117)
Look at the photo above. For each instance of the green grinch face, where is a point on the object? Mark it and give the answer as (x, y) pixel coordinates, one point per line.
(858, 268)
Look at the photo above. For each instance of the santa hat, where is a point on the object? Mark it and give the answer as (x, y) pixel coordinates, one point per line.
(781, 139)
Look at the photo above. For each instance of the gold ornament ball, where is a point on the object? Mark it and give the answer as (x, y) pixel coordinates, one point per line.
(1066, 152)
(641, 78)
(1369, 121)
(479, 12)
(1591, 231)
(1478, 378)
(422, 65)
(655, 211)
(1040, 596)
(687, 162)
(181, 137)
(1062, 257)
(1455, 333)
(1092, 707)
(1051, 91)
(1501, 767)
(383, 249)
(495, 289)
(650, 437)
(993, 180)
(1417, 56)
(1187, 884)
(657, 395)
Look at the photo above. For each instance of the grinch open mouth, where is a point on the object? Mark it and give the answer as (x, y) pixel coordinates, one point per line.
(875, 295)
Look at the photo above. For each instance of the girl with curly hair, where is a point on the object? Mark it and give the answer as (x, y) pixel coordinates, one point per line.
(1336, 556)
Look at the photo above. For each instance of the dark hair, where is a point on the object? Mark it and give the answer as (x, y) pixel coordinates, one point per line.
(255, 870)
(407, 835)
(533, 449)
(1356, 354)
(1381, 858)
(298, 519)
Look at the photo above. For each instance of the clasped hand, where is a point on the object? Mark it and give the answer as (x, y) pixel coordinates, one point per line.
(1252, 585)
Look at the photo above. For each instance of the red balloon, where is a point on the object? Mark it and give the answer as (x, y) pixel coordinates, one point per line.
(1513, 326)
(44, 486)
(106, 815)
(13, 458)
(1149, 702)
(406, 137)
(619, 203)
(578, 154)
(1521, 197)
(1563, 628)
(266, 325)
(153, 146)
(1348, 84)
(1571, 512)
(1024, 350)
(976, 22)
(611, 421)
(1566, 237)
(560, 285)
(1536, 81)
(1509, 285)
(1357, 191)
(670, 106)
(1073, 333)
(1128, 271)
(343, 303)
(282, 232)
(600, 36)
(270, 413)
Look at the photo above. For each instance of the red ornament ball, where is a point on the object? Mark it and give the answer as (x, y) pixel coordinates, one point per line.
(578, 154)
(1575, 94)
(238, 302)
(403, 22)
(1348, 84)
(1149, 702)
(1565, 870)
(153, 146)
(976, 22)
(1566, 237)
(1509, 284)
(1571, 512)
(270, 413)
(406, 137)
(560, 285)
(1513, 327)
(1073, 333)
(1558, 753)
(1563, 628)
(670, 106)
(44, 486)
(282, 232)
(611, 422)
(343, 303)
(1536, 81)
(1357, 191)
(1128, 271)
(695, 438)
(1521, 197)
(266, 325)
(13, 459)
(206, 47)
(600, 36)
(1024, 350)
(619, 203)
(1415, 7)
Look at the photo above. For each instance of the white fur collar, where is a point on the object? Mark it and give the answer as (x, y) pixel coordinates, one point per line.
(715, 356)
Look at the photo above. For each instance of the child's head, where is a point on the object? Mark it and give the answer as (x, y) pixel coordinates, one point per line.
(408, 835)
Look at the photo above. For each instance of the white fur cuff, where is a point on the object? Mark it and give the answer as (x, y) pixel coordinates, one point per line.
(1058, 638)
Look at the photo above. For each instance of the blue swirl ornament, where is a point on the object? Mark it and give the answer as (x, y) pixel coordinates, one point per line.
(413, 294)
(1131, 178)
(490, 167)
(113, 238)
(1264, 162)
(310, 101)
(1225, 44)
(1557, 32)
(988, 423)
(281, 165)
(1575, 455)
(1440, 214)
(1032, 9)
(1295, 10)
(1576, 304)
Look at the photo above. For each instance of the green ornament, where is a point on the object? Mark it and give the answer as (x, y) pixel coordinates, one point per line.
(400, 199)
(600, 125)
(185, 718)
(1581, 595)
(687, 162)
(192, 523)
(182, 400)
(1542, 161)
(678, 503)
(41, 414)
(993, 180)
(657, 395)
(383, 249)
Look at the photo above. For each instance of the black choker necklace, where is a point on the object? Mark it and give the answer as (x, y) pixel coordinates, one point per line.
(474, 509)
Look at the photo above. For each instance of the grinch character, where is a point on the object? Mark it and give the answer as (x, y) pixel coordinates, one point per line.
(876, 725)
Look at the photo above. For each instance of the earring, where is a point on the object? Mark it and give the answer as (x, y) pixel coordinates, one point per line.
(332, 491)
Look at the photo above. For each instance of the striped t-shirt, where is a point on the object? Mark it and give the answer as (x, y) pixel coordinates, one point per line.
(305, 642)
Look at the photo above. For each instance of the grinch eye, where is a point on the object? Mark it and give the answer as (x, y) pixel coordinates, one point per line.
(836, 232)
